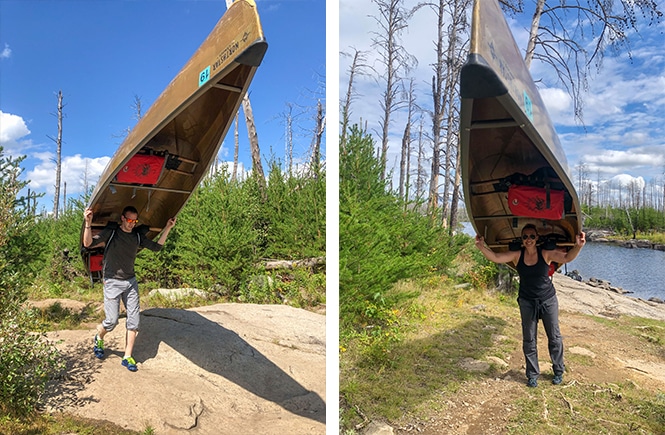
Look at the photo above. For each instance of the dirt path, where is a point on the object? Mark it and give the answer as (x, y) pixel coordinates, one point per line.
(484, 407)
(227, 368)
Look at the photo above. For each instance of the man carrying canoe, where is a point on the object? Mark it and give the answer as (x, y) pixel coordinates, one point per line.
(537, 297)
(121, 246)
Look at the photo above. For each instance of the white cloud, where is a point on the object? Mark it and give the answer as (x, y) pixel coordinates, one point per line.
(6, 52)
(627, 180)
(623, 109)
(12, 129)
(76, 170)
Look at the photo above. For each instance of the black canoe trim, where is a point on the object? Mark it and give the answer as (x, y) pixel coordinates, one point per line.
(479, 80)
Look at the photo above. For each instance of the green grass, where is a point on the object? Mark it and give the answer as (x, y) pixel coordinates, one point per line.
(590, 408)
(414, 375)
(47, 424)
(437, 330)
(651, 333)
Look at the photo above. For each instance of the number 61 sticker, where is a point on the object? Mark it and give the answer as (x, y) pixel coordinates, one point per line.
(204, 76)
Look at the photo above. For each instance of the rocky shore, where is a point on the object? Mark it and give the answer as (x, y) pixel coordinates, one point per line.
(601, 300)
(602, 236)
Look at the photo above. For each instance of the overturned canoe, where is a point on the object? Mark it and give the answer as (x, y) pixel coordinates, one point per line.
(514, 171)
(170, 150)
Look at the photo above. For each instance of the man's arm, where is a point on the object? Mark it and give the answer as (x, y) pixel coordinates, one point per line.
(166, 231)
(87, 230)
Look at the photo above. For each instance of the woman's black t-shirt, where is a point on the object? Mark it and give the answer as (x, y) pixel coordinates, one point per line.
(535, 282)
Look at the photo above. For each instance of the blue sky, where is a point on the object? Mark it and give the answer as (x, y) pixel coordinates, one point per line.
(102, 53)
(624, 111)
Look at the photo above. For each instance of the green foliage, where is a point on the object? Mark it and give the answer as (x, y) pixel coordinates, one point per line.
(227, 229)
(296, 216)
(26, 359)
(483, 275)
(216, 240)
(382, 240)
(625, 220)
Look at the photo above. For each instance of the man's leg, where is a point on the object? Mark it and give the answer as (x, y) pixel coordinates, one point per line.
(112, 296)
(529, 337)
(130, 338)
(132, 304)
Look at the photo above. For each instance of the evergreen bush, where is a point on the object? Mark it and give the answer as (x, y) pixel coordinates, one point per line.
(382, 240)
(27, 360)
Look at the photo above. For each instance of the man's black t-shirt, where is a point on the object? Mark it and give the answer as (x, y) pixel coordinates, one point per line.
(121, 249)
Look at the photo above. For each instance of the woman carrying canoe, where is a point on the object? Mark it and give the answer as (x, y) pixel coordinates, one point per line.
(537, 297)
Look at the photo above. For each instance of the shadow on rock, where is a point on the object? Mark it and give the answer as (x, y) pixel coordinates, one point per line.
(223, 352)
(63, 390)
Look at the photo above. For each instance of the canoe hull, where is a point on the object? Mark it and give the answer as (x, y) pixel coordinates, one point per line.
(171, 149)
(507, 139)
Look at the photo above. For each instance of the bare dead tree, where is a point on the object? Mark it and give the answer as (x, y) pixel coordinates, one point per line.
(406, 141)
(315, 161)
(454, 203)
(420, 172)
(257, 167)
(288, 116)
(58, 158)
(236, 148)
(357, 67)
(392, 20)
(137, 107)
(64, 197)
(451, 23)
(561, 31)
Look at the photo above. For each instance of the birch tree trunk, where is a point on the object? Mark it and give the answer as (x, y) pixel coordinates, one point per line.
(533, 33)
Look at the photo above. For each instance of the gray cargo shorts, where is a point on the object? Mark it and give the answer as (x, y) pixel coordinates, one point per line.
(116, 290)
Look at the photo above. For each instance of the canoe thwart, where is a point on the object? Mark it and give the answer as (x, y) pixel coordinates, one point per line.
(151, 188)
(495, 123)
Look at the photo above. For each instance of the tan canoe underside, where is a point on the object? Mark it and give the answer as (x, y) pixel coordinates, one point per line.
(188, 121)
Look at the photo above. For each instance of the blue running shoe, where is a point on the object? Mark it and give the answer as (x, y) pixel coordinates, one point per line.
(130, 363)
(99, 347)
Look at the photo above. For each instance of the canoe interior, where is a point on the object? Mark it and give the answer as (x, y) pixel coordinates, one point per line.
(506, 138)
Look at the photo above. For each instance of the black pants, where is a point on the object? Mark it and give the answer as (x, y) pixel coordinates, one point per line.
(531, 311)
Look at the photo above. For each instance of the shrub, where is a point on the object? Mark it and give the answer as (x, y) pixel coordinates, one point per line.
(26, 359)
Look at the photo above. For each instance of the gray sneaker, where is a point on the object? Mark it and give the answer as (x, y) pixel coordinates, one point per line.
(557, 379)
(532, 382)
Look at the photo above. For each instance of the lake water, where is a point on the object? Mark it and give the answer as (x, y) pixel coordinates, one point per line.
(641, 271)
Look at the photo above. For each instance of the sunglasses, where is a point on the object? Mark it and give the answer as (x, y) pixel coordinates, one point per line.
(529, 236)
(131, 221)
